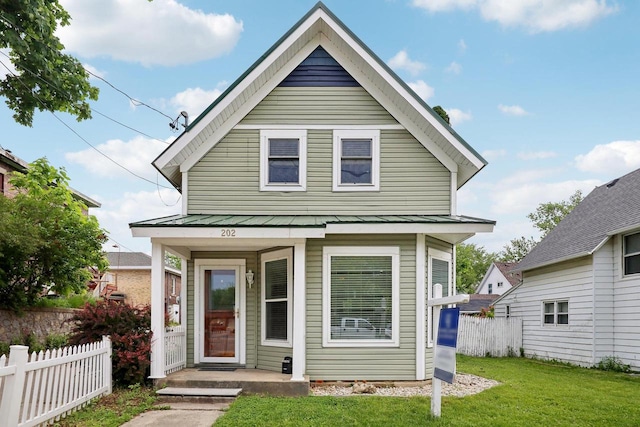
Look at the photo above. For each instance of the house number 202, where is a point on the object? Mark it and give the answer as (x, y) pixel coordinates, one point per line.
(228, 232)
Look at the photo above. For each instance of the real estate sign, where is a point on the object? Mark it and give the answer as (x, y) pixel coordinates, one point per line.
(446, 344)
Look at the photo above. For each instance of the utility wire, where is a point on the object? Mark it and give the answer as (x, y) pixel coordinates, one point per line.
(82, 138)
(92, 109)
(135, 101)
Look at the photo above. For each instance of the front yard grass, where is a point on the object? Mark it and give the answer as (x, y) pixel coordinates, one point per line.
(532, 392)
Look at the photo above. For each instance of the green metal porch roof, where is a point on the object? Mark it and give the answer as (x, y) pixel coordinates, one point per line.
(318, 221)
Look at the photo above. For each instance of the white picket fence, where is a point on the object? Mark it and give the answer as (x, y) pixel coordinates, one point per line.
(42, 387)
(497, 337)
(175, 349)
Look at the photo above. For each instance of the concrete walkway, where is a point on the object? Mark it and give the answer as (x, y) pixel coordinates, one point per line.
(180, 414)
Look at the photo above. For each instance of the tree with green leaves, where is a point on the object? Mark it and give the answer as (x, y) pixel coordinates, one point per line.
(545, 218)
(442, 113)
(47, 241)
(472, 262)
(46, 78)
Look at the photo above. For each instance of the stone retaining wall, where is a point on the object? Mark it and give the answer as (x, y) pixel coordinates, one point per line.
(41, 321)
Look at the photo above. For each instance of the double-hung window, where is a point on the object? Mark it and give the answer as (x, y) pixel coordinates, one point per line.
(283, 160)
(360, 290)
(356, 160)
(555, 312)
(277, 298)
(631, 250)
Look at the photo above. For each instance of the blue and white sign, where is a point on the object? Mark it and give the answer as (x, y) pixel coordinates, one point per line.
(445, 357)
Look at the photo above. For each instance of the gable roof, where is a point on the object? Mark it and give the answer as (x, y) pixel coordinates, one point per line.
(505, 268)
(319, 27)
(609, 209)
(477, 302)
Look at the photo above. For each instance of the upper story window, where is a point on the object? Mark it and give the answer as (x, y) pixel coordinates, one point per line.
(356, 160)
(631, 252)
(490, 288)
(500, 284)
(283, 160)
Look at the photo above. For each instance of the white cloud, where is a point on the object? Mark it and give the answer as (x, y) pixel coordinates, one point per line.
(623, 155)
(513, 110)
(537, 155)
(462, 46)
(493, 154)
(457, 116)
(423, 90)
(401, 61)
(136, 155)
(161, 32)
(194, 100)
(534, 15)
(454, 68)
(116, 214)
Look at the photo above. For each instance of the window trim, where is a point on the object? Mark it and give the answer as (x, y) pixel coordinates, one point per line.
(330, 251)
(265, 136)
(442, 256)
(269, 257)
(555, 313)
(338, 136)
(625, 255)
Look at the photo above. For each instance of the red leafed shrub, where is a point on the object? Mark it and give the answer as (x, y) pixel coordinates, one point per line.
(130, 331)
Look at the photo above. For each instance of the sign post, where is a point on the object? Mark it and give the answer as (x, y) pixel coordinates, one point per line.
(445, 343)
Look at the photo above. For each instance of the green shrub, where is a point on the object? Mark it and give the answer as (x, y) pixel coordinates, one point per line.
(56, 341)
(71, 301)
(130, 331)
(612, 363)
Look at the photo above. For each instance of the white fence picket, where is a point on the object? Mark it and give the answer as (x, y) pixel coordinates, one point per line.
(496, 337)
(49, 385)
(175, 349)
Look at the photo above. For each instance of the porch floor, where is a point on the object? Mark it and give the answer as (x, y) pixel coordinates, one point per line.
(251, 381)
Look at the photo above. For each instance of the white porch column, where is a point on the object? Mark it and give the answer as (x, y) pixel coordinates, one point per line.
(421, 310)
(157, 310)
(299, 312)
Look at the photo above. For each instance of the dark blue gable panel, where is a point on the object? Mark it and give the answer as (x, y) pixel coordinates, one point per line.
(319, 70)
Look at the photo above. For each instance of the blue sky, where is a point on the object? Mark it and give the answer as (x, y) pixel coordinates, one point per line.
(546, 91)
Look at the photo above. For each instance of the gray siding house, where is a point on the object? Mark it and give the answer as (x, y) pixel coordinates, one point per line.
(579, 299)
(319, 208)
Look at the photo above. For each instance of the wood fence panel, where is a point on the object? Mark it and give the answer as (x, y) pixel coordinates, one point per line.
(497, 337)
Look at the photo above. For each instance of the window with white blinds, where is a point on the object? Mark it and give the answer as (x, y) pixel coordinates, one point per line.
(360, 286)
(277, 297)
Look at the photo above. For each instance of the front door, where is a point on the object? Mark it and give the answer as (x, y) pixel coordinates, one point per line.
(221, 313)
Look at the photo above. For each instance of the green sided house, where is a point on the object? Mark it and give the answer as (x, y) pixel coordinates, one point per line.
(319, 209)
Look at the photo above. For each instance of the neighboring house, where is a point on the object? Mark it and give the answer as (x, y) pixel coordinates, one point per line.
(580, 294)
(319, 193)
(477, 303)
(10, 163)
(129, 277)
(498, 279)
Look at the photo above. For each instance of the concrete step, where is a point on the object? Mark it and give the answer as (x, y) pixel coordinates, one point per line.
(197, 395)
(197, 391)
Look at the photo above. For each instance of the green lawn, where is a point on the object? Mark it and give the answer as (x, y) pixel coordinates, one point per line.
(532, 393)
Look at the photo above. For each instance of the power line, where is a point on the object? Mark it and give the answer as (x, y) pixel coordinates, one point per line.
(135, 101)
(92, 109)
(81, 137)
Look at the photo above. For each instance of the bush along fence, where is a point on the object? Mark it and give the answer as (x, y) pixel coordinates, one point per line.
(175, 349)
(498, 337)
(46, 386)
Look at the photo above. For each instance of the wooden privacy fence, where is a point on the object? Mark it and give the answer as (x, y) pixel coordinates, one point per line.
(43, 387)
(175, 349)
(498, 337)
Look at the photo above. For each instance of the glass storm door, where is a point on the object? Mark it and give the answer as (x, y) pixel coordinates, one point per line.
(221, 314)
